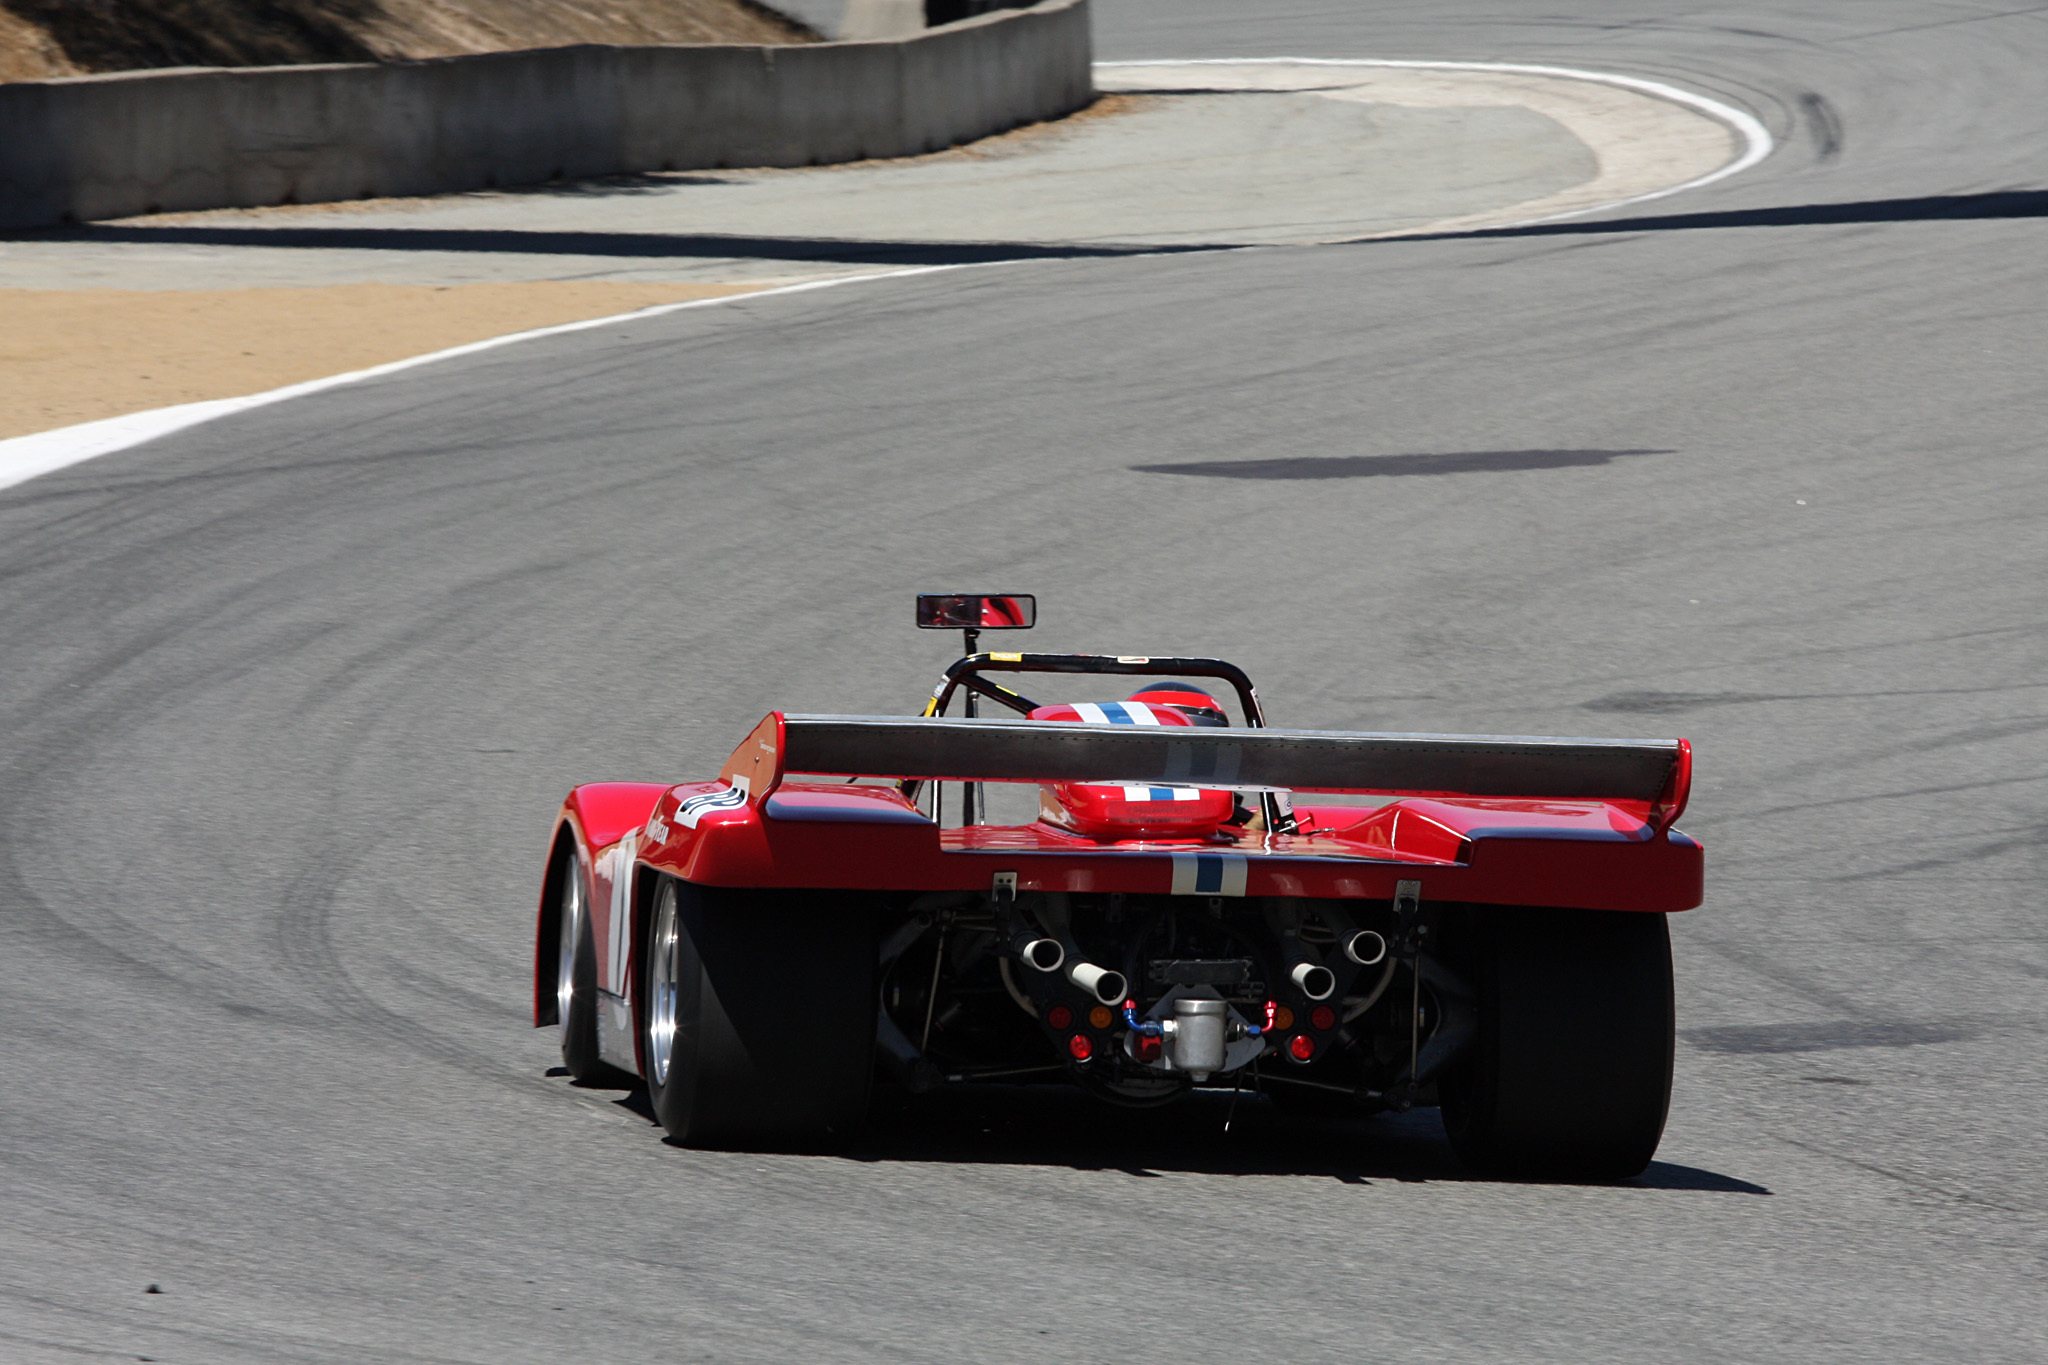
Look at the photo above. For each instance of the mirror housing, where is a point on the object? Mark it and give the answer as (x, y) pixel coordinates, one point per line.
(976, 611)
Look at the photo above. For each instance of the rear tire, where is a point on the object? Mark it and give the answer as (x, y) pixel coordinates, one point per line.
(576, 978)
(758, 1015)
(1569, 1076)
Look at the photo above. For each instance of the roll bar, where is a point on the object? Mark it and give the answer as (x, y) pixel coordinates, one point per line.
(967, 673)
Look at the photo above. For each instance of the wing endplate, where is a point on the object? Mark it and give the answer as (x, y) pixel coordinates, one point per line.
(757, 766)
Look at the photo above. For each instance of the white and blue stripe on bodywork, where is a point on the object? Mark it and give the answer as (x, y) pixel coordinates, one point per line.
(697, 807)
(1115, 713)
(1209, 874)
(1162, 793)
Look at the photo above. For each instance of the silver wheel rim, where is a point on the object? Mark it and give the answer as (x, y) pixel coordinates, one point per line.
(572, 938)
(661, 987)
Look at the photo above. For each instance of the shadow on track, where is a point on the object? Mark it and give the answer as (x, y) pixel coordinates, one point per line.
(849, 251)
(996, 1125)
(1827, 1035)
(1928, 209)
(629, 245)
(1390, 466)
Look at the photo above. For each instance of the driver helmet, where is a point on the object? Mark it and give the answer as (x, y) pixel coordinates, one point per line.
(1197, 705)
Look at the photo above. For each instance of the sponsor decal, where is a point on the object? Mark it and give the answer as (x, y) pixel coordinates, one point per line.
(697, 807)
(1209, 874)
(1162, 794)
(1007, 658)
(657, 832)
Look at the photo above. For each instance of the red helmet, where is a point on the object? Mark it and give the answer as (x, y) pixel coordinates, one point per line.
(1166, 811)
(1198, 706)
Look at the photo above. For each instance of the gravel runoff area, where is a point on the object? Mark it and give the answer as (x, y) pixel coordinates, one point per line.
(148, 312)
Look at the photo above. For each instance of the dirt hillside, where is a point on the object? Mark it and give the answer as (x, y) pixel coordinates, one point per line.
(44, 38)
(74, 355)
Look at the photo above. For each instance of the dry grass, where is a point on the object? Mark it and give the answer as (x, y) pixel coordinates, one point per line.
(28, 53)
(73, 355)
(40, 39)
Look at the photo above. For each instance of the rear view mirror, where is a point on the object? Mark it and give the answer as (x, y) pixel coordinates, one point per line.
(976, 611)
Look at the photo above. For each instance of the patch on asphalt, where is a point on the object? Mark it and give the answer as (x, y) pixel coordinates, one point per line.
(1392, 466)
(1836, 1033)
(1668, 703)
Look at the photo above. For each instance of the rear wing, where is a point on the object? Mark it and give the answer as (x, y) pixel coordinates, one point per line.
(1656, 773)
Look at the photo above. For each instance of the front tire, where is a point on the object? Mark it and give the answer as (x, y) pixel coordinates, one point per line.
(1570, 1074)
(758, 1015)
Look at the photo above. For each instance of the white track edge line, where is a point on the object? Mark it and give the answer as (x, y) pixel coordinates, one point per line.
(26, 457)
(1756, 139)
(44, 452)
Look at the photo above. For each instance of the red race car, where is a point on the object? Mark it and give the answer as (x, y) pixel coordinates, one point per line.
(1345, 922)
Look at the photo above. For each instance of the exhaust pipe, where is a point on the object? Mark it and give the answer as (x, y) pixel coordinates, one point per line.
(1050, 954)
(1304, 969)
(1039, 954)
(1033, 949)
(1313, 981)
(1365, 948)
(1107, 986)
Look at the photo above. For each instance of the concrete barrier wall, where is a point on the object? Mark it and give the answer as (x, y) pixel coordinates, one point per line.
(145, 142)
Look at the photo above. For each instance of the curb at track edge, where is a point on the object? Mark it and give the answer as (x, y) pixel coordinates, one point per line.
(1757, 142)
(23, 458)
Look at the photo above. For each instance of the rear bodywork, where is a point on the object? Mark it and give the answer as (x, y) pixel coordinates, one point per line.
(1391, 836)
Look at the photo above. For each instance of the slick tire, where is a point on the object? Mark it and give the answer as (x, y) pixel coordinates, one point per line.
(1569, 1076)
(576, 978)
(758, 1016)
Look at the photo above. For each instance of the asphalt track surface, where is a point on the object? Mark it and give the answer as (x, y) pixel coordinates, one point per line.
(289, 698)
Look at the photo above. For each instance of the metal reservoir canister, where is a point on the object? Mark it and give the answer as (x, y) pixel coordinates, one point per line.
(1196, 1032)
